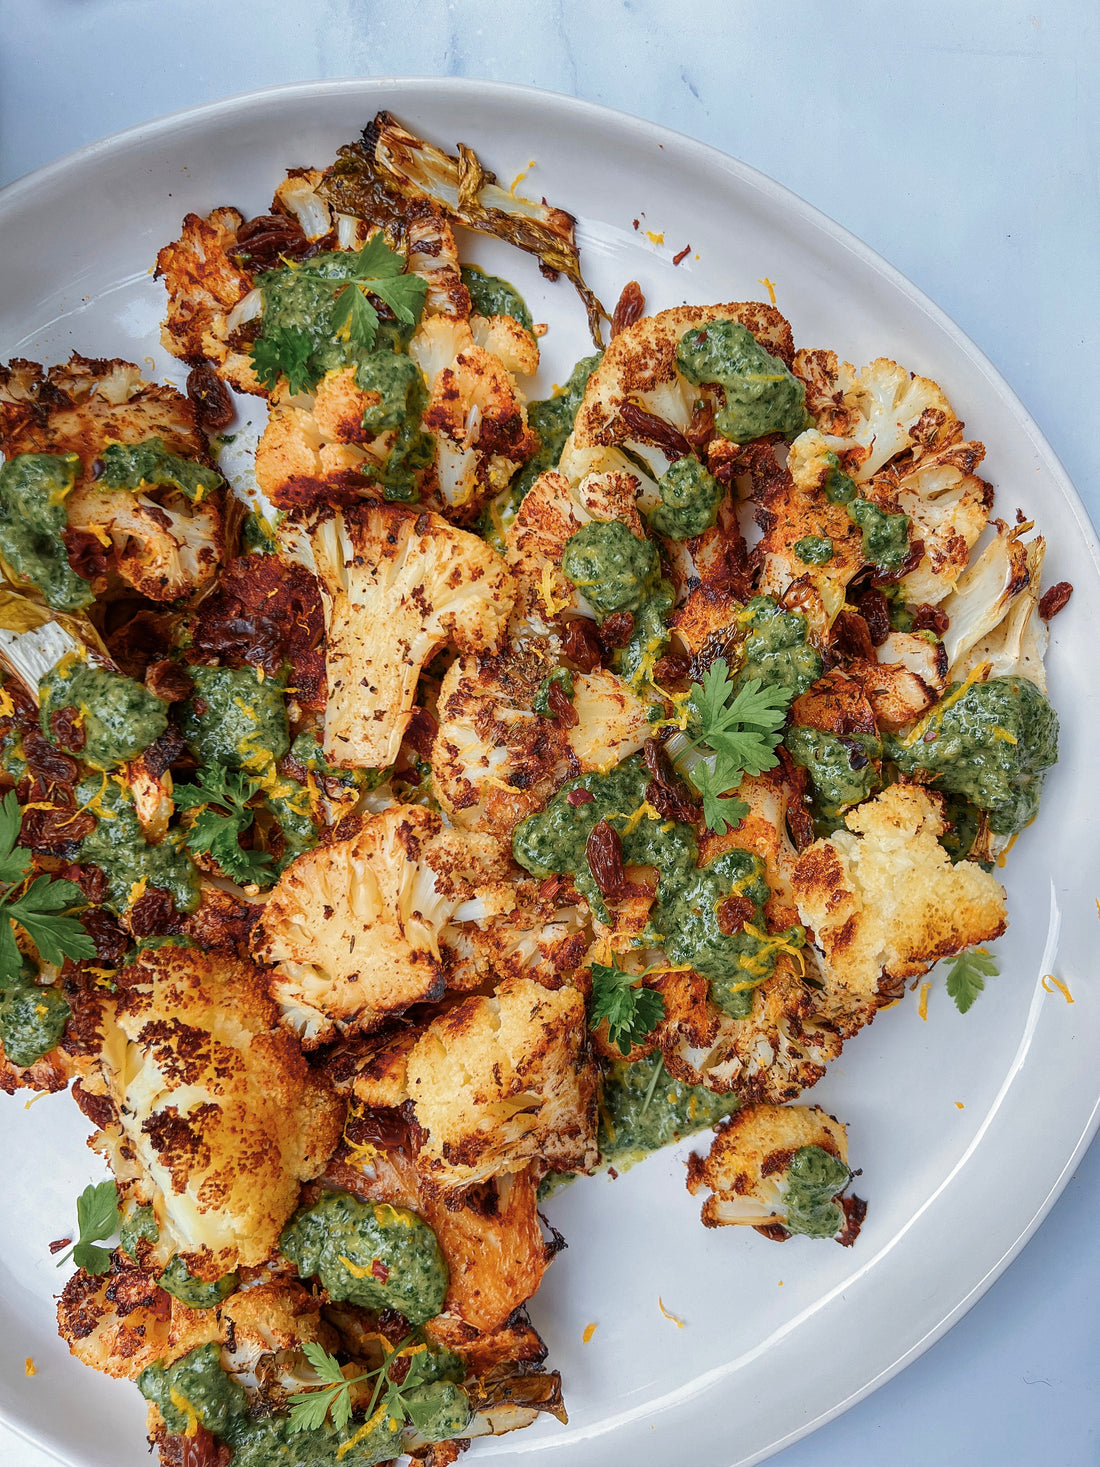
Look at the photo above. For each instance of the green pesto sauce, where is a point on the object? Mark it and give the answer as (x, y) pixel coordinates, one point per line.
(269, 1442)
(561, 676)
(257, 536)
(814, 549)
(33, 487)
(902, 615)
(611, 568)
(843, 773)
(885, 536)
(307, 750)
(684, 920)
(119, 717)
(198, 1379)
(814, 1178)
(403, 397)
(32, 1020)
(690, 497)
(552, 419)
(963, 819)
(338, 1227)
(993, 745)
(289, 805)
(138, 1225)
(776, 650)
(117, 846)
(235, 719)
(195, 1293)
(492, 296)
(643, 1108)
(761, 395)
(152, 464)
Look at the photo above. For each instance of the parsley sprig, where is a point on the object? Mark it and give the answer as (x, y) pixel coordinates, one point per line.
(221, 798)
(631, 1012)
(967, 974)
(308, 1409)
(740, 727)
(357, 279)
(42, 907)
(97, 1218)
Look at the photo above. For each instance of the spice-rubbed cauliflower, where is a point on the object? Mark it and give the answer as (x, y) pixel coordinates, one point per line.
(352, 929)
(948, 504)
(780, 1169)
(883, 897)
(475, 413)
(397, 585)
(157, 538)
(993, 610)
(121, 1321)
(217, 1118)
(496, 1083)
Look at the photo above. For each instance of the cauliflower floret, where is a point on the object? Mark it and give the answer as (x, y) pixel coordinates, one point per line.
(883, 898)
(640, 367)
(267, 1325)
(868, 417)
(497, 1083)
(433, 255)
(475, 413)
(994, 599)
(508, 340)
(122, 1321)
(397, 585)
(218, 1119)
(949, 506)
(782, 1170)
(161, 542)
(1018, 643)
(210, 297)
(352, 928)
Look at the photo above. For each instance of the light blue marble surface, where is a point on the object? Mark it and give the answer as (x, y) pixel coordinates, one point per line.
(959, 140)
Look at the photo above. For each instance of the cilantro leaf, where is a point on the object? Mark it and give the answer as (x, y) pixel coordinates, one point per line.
(967, 974)
(326, 1365)
(308, 1409)
(355, 319)
(97, 1218)
(14, 863)
(56, 937)
(631, 1013)
(221, 797)
(376, 261)
(284, 351)
(721, 815)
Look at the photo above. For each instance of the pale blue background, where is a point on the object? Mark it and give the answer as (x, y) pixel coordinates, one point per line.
(961, 141)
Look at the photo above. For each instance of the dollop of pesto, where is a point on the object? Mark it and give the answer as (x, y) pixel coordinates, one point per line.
(564, 678)
(402, 399)
(196, 1381)
(762, 396)
(233, 718)
(32, 1018)
(611, 568)
(178, 1281)
(138, 1225)
(270, 1442)
(814, 549)
(118, 716)
(776, 650)
(844, 771)
(152, 464)
(690, 497)
(885, 535)
(991, 742)
(369, 1253)
(257, 536)
(643, 1108)
(33, 487)
(492, 296)
(684, 920)
(118, 847)
(814, 1177)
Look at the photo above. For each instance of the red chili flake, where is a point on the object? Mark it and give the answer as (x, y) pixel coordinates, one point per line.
(630, 308)
(1054, 600)
(604, 854)
(582, 646)
(379, 1270)
(561, 705)
(210, 398)
(59, 1243)
(646, 427)
(683, 254)
(580, 797)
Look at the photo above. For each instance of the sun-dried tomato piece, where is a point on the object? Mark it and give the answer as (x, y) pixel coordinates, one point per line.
(646, 427)
(86, 554)
(267, 239)
(162, 753)
(1054, 600)
(875, 611)
(616, 630)
(799, 820)
(581, 646)
(700, 430)
(671, 668)
(930, 619)
(604, 853)
(667, 793)
(561, 705)
(852, 636)
(210, 398)
(630, 308)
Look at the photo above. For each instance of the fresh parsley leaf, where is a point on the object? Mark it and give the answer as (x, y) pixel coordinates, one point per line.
(355, 319)
(41, 908)
(721, 815)
(967, 974)
(375, 261)
(97, 1218)
(221, 798)
(308, 1409)
(631, 1012)
(14, 863)
(326, 1365)
(284, 351)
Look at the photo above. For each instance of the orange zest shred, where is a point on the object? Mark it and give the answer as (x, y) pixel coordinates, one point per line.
(1049, 978)
(769, 286)
(589, 1331)
(29, 1367)
(959, 1105)
(657, 239)
(679, 1323)
(922, 1006)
